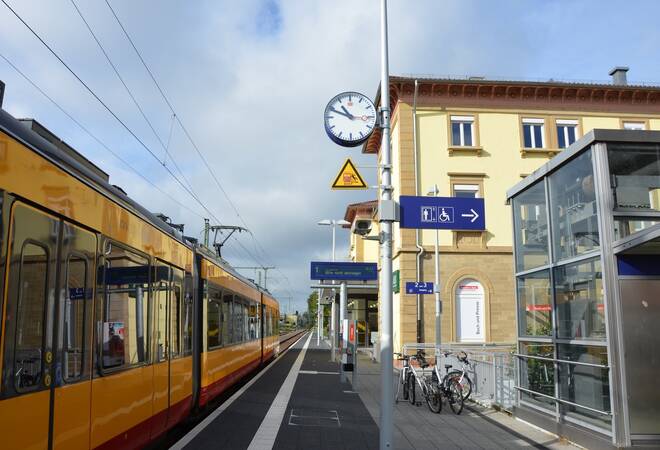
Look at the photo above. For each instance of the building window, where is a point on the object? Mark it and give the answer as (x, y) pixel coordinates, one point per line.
(462, 131)
(533, 133)
(634, 126)
(566, 132)
(466, 190)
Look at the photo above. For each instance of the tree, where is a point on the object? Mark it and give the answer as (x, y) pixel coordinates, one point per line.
(312, 305)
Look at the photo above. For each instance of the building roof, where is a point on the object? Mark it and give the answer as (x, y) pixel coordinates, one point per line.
(510, 93)
(582, 144)
(362, 208)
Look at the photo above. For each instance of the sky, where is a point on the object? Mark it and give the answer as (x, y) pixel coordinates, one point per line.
(249, 81)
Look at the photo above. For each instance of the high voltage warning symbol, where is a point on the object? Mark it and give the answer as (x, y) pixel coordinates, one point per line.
(349, 178)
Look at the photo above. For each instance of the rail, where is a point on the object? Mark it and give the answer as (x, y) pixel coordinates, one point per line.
(288, 339)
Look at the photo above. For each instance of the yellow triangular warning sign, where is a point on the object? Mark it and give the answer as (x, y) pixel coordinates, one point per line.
(349, 178)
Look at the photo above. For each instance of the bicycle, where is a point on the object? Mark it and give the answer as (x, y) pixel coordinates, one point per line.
(461, 374)
(403, 373)
(431, 393)
(449, 387)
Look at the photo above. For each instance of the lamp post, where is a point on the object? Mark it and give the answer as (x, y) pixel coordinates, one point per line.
(434, 191)
(342, 303)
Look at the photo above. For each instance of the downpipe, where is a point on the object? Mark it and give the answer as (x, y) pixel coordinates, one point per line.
(420, 249)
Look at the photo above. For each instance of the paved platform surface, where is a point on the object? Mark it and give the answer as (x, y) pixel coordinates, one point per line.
(298, 402)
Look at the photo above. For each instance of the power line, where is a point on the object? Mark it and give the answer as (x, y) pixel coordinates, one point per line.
(192, 141)
(93, 136)
(91, 91)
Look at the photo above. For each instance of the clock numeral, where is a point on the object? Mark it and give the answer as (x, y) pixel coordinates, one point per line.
(350, 136)
(360, 101)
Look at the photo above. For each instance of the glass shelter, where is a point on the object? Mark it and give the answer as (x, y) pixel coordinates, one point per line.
(587, 274)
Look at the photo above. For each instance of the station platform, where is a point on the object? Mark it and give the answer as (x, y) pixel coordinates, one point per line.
(298, 402)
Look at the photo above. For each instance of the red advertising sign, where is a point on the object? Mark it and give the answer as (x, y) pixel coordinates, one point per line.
(351, 332)
(538, 308)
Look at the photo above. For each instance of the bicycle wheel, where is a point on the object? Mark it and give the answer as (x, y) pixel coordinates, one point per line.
(404, 381)
(411, 388)
(466, 383)
(434, 398)
(455, 395)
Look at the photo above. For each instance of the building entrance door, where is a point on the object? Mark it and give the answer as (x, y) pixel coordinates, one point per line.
(470, 305)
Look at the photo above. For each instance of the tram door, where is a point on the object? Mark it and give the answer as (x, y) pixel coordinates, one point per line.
(46, 354)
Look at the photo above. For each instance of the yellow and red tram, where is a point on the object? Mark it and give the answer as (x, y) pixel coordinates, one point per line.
(113, 326)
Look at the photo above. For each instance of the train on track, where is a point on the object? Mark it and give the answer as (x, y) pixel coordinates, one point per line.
(114, 326)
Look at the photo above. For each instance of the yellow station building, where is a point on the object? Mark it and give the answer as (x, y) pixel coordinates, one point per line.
(476, 137)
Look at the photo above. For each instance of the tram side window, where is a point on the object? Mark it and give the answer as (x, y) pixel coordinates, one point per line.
(30, 317)
(254, 321)
(267, 321)
(160, 283)
(214, 318)
(227, 299)
(238, 319)
(176, 306)
(246, 320)
(187, 313)
(276, 322)
(125, 308)
(77, 293)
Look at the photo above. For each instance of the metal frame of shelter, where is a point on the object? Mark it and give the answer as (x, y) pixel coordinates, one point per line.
(566, 417)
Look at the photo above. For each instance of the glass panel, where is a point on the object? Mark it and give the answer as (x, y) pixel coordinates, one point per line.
(254, 321)
(125, 308)
(467, 134)
(626, 226)
(227, 298)
(161, 287)
(455, 133)
(561, 141)
(531, 228)
(571, 134)
(214, 319)
(579, 298)
(584, 385)
(30, 317)
(573, 208)
(538, 136)
(175, 313)
(74, 316)
(537, 375)
(187, 314)
(635, 176)
(535, 304)
(527, 135)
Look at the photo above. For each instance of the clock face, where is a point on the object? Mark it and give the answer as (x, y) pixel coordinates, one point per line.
(349, 118)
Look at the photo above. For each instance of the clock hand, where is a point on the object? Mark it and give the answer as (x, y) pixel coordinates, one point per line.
(350, 116)
(341, 113)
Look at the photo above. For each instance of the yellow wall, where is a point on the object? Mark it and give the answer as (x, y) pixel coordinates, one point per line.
(499, 136)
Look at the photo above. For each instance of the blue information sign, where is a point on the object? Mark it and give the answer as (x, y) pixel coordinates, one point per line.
(422, 287)
(343, 271)
(442, 213)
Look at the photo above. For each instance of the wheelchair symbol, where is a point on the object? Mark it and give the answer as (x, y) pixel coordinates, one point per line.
(444, 217)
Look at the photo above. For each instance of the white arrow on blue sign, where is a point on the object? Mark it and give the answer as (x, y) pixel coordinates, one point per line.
(442, 213)
(419, 287)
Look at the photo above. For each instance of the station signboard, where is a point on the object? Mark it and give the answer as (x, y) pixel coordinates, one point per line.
(343, 271)
(442, 213)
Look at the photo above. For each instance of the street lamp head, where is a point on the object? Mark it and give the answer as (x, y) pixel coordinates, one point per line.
(433, 190)
(343, 222)
(324, 222)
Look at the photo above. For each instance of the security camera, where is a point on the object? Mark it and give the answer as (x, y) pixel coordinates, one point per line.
(362, 227)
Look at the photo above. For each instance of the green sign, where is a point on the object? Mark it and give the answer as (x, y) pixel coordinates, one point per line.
(396, 281)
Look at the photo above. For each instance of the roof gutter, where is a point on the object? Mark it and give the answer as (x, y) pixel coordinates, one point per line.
(420, 248)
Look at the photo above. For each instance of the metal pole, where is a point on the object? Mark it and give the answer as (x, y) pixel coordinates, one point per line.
(343, 301)
(333, 334)
(318, 319)
(207, 227)
(438, 302)
(333, 240)
(386, 348)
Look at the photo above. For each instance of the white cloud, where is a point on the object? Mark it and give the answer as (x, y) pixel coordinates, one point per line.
(250, 80)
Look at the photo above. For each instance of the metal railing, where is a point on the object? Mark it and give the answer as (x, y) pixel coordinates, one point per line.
(492, 370)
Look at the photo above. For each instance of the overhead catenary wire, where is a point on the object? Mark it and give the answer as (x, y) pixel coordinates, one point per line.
(190, 138)
(97, 139)
(95, 95)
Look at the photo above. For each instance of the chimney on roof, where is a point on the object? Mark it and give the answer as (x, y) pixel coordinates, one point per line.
(619, 75)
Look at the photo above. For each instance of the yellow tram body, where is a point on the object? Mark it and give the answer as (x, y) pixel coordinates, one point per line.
(98, 311)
